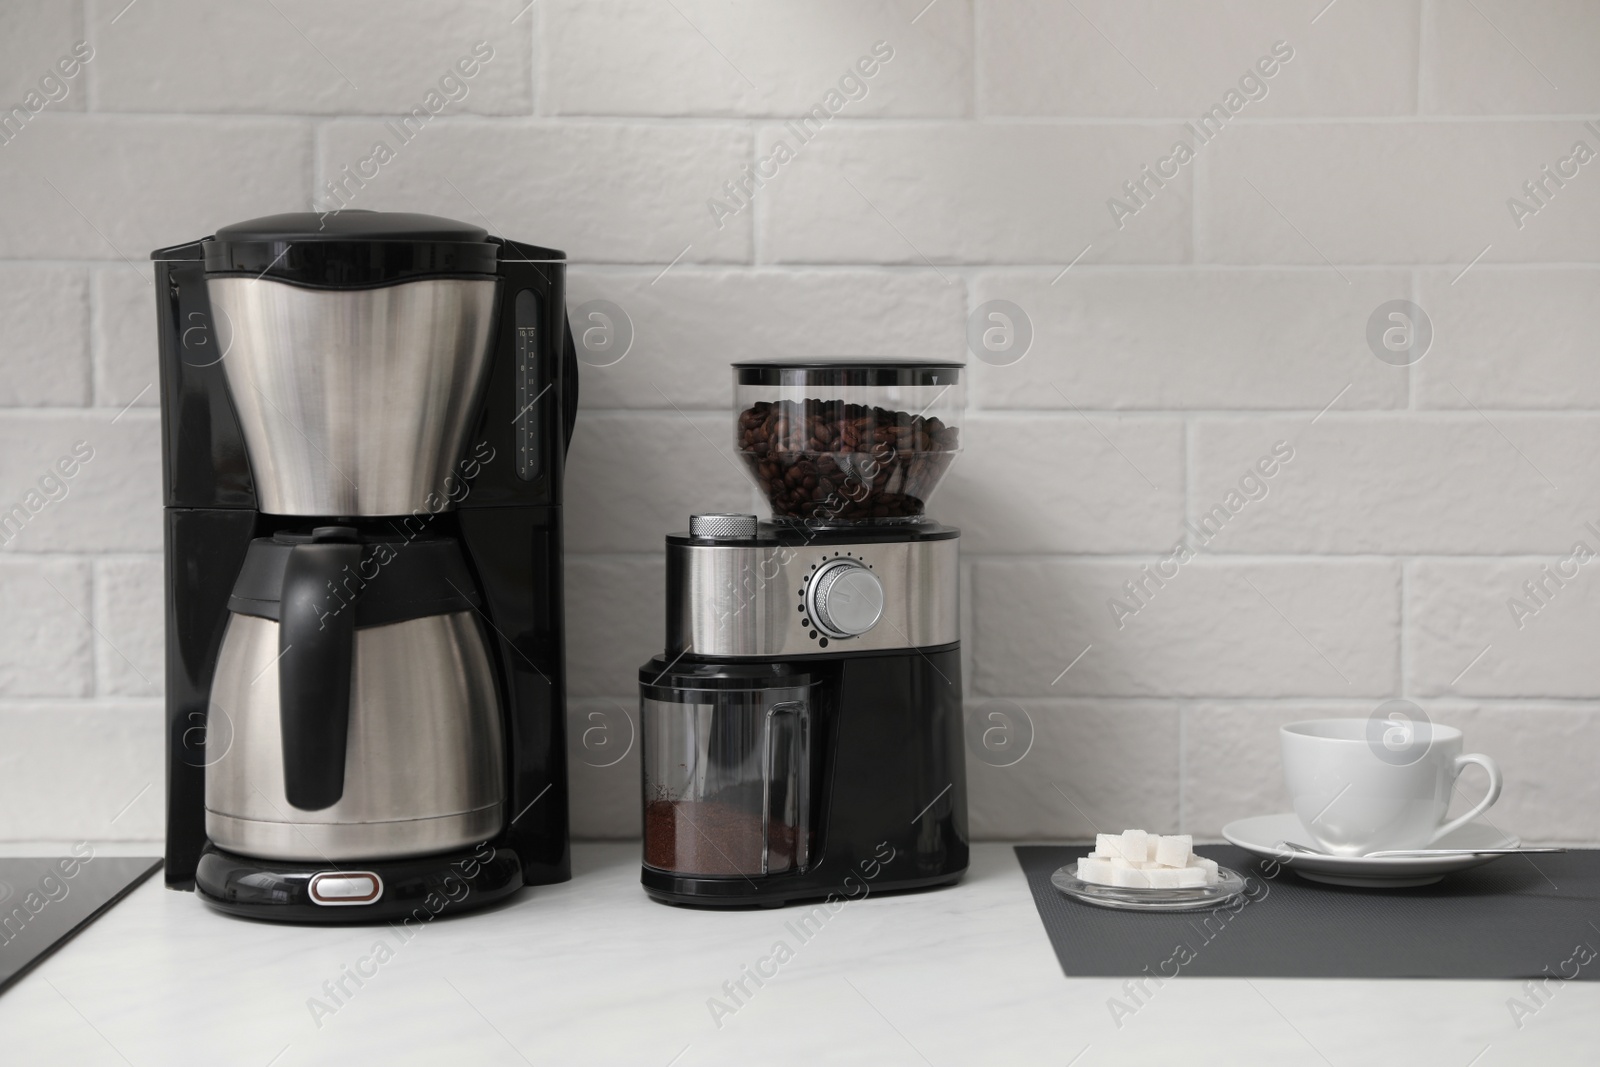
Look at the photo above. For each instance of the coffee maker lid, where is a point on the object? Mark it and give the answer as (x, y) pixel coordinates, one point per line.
(352, 249)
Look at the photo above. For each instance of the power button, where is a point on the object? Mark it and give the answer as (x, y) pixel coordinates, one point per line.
(342, 888)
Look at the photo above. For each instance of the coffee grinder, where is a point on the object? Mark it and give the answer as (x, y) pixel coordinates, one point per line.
(365, 417)
(801, 735)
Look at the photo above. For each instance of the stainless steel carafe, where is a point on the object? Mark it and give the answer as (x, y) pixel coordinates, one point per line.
(354, 707)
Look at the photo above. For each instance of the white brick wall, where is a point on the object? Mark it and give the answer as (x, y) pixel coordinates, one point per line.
(1227, 315)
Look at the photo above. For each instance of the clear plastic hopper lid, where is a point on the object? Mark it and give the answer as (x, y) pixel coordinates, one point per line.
(839, 442)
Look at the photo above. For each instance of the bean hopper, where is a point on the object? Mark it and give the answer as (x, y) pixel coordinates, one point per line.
(801, 734)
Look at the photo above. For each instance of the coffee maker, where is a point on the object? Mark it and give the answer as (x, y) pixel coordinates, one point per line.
(801, 734)
(365, 417)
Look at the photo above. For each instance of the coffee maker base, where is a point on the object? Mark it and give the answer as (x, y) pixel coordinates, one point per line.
(686, 891)
(412, 891)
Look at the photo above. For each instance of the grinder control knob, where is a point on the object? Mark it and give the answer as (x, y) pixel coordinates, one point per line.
(845, 599)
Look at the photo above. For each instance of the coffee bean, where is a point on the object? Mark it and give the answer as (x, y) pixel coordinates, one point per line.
(824, 461)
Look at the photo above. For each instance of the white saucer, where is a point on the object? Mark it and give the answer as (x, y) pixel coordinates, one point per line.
(1264, 835)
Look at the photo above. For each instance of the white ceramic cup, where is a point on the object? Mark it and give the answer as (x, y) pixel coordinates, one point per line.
(1356, 794)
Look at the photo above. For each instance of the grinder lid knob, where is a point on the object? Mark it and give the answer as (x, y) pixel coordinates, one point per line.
(722, 527)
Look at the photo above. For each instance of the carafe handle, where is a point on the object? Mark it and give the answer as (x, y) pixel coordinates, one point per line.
(316, 649)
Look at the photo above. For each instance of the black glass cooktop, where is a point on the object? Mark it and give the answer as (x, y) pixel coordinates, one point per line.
(45, 900)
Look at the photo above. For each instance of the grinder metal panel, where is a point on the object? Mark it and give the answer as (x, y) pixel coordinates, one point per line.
(751, 599)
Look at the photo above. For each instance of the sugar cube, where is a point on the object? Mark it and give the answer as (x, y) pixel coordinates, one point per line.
(1135, 859)
(1091, 869)
(1130, 878)
(1164, 877)
(1173, 850)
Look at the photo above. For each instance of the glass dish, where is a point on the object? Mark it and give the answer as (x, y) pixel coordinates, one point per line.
(1229, 885)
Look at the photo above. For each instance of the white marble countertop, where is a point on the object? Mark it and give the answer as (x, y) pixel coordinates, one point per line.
(593, 972)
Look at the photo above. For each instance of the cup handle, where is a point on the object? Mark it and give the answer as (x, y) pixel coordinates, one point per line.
(1483, 805)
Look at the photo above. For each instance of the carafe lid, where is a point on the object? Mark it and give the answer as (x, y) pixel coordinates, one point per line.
(352, 249)
(397, 577)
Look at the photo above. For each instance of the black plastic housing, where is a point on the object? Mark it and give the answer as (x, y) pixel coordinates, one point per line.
(508, 524)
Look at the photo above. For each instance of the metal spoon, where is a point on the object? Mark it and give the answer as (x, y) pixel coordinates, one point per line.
(1416, 853)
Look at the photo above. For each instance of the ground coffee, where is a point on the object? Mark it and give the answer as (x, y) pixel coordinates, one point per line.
(710, 837)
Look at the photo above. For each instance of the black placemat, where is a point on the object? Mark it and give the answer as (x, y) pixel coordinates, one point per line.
(46, 900)
(1508, 919)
